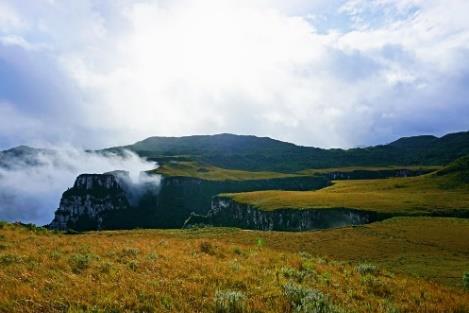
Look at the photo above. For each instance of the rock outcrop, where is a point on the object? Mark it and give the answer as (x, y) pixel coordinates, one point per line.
(87, 204)
(229, 213)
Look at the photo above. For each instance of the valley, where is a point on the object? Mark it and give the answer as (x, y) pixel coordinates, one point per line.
(356, 237)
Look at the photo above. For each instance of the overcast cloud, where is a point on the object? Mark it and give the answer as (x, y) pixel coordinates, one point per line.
(322, 73)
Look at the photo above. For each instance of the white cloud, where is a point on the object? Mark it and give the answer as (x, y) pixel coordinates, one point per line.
(9, 18)
(182, 67)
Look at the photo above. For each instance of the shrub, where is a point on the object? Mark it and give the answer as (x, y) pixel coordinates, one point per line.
(375, 286)
(153, 256)
(10, 259)
(55, 255)
(105, 267)
(230, 301)
(207, 247)
(237, 250)
(167, 302)
(3, 224)
(260, 242)
(129, 252)
(465, 280)
(80, 262)
(305, 255)
(305, 300)
(366, 268)
(292, 273)
(133, 265)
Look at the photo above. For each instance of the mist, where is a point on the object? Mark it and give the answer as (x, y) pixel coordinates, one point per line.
(30, 190)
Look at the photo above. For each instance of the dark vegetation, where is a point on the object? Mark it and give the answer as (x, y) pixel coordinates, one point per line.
(266, 154)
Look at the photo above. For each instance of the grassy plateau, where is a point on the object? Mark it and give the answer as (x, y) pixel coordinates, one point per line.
(436, 193)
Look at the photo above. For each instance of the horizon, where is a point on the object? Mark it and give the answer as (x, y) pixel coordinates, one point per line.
(342, 73)
(58, 146)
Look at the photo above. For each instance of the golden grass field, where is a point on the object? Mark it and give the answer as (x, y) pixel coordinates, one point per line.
(425, 194)
(231, 270)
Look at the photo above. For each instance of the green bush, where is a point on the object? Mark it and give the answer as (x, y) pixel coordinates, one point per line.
(305, 300)
(366, 268)
(3, 224)
(465, 280)
(230, 301)
(260, 242)
(80, 262)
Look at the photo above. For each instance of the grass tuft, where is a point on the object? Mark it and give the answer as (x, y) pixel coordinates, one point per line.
(465, 280)
(367, 269)
(305, 300)
(8, 259)
(80, 262)
(207, 247)
(229, 301)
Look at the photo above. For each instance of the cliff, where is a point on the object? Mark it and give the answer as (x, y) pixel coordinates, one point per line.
(229, 213)
(108, 201)
(180, 196)
(86, 204)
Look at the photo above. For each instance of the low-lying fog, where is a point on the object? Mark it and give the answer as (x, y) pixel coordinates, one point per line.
(31, 193)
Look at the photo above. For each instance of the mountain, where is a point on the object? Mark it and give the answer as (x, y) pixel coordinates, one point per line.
(22, 156)
(267, 154)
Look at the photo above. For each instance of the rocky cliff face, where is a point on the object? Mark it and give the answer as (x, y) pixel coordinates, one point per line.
(86, 204)
(229, 213)
(108, 202)
(180, 196)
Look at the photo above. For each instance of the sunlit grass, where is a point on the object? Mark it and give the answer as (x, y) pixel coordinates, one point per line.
(348, 169)
(209, 172)
(206, 270)
(411, 195)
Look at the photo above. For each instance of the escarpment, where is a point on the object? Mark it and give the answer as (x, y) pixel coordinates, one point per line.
(107, 202)
(229, 213)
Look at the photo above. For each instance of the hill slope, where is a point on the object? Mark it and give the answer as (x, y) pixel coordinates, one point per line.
(266, 154)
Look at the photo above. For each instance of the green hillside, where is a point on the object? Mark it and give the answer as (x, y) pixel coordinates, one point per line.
(209, 172)
(436, 193)
(265, 154)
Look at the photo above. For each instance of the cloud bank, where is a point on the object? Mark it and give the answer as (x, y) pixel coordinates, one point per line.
(323, 73)
(30, 189)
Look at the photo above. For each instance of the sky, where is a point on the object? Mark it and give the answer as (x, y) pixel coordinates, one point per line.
(324, 73)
